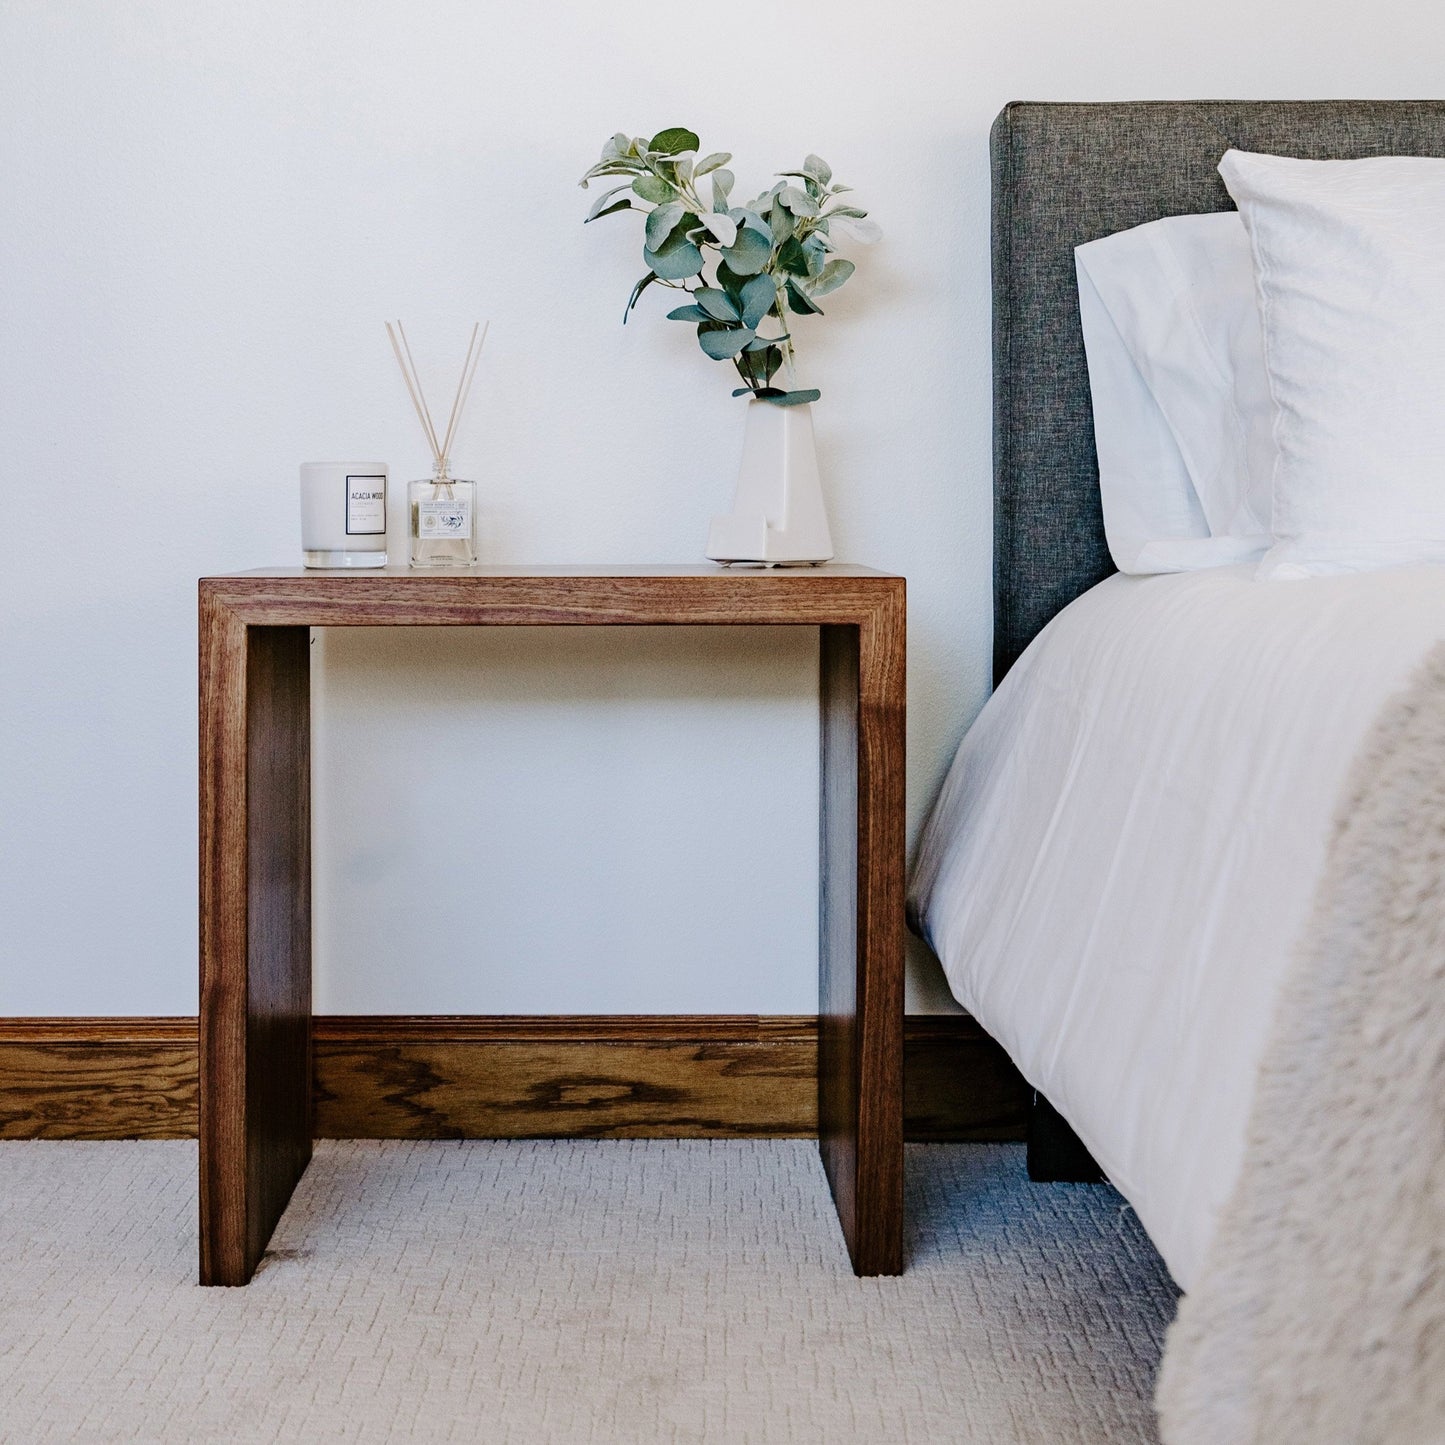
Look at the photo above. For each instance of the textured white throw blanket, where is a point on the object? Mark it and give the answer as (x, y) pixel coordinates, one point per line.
(1319, 1313)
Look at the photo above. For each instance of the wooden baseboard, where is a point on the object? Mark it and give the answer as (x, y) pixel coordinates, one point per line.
(417, 1077)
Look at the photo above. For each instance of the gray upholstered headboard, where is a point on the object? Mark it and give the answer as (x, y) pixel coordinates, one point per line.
(1066, 174)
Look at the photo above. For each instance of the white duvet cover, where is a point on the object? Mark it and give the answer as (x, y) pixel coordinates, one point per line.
(1127, 847)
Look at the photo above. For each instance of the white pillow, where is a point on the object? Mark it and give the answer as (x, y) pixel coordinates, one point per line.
(1152, 518)
(1350, 268)
(1180, 295)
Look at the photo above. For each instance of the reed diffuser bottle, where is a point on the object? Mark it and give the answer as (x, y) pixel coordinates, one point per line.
(443, 519)
(442, 508)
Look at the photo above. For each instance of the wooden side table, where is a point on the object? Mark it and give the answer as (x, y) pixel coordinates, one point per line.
(255, 1019)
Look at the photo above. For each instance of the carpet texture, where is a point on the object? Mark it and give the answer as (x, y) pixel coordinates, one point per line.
(521, 1291)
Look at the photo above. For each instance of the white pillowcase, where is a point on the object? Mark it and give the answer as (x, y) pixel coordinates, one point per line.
(1350, 268)
(1152, 518)
(1181, 401)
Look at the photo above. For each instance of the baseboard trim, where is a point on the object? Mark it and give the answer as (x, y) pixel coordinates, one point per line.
(451, 1077)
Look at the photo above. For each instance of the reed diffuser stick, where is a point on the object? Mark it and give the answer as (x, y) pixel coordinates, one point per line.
(461, 381)
(421, 392)
(464, 386)
(414, 393)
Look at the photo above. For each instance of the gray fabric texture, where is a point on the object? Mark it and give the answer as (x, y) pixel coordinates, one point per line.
(1064, 174)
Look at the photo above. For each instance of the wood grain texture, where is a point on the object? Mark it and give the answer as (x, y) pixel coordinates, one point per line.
(98, 1078)
(838, 915)
(255, 946)
(657, 1078)
(540, 596)
(860, 1066)
(420, 1077)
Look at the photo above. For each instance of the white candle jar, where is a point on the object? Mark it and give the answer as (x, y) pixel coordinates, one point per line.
(343, 514)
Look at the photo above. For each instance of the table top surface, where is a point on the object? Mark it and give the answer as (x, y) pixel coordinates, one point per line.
(664, 570)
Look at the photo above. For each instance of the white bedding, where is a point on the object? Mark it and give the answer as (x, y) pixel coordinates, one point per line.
(1127, 847)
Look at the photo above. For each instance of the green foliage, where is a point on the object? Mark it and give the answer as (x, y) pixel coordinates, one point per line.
(769, 259)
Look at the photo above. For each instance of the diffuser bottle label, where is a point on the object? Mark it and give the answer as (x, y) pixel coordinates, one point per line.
(365, 506)
(450, 518)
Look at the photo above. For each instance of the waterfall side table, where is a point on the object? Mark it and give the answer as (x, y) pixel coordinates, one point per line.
(255, 780)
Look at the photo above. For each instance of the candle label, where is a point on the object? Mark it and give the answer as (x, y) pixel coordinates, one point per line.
(451, 518)
(365, 506)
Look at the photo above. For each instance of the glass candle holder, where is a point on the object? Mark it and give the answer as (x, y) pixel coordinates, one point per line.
(443, 512)
(343, 514)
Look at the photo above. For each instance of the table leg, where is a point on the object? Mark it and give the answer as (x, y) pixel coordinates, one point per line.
(255, 1014)
(860, 1037)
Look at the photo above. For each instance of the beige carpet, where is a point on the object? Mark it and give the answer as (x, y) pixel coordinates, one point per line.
(599, 1292)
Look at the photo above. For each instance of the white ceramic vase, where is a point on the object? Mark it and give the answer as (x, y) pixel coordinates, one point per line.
(778, 517)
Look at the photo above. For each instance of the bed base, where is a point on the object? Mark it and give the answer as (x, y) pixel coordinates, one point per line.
(1056, 1155)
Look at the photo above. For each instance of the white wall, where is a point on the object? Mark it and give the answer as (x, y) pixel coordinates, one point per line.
(205, 212)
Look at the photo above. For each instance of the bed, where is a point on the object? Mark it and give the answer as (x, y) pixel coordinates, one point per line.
(1128, 850)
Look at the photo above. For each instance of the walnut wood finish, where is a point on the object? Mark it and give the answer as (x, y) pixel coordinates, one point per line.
(860, 931)
(255, 1019)
(255, 946)
(420, 1077)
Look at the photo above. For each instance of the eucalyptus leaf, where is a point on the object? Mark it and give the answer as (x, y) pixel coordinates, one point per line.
(780, 222)
(800, 203)
(725, 341)
(731, 282)
(865, 231)
(748, 216)
(636, 292)
(800, 302)
(847, 212)
(724, 228)
(654, 188)
(761, 343)
(597, 172)
(757, 297)
(694, 314)
(623, 205)
(818, 168)
(796, 398)
(717, 304)
(682, 168)
(601, 202)
(831, 277)
(710, 163)
(722, 183)
(676, 261)
(815, 248)
(792, 258)
(749, 253)
(674, 141)
(662, 222)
